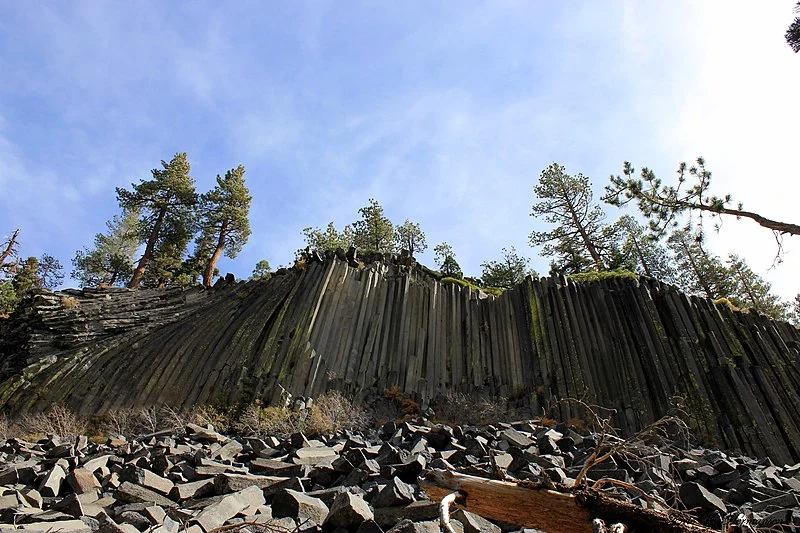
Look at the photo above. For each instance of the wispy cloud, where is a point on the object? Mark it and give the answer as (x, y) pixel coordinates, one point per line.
(446, 116)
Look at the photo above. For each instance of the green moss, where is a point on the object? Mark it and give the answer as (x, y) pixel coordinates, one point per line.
(494, 291)
(600, 275)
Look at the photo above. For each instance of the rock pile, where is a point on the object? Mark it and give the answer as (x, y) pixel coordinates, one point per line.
(199, 480)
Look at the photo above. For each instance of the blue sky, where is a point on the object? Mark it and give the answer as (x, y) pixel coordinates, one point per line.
(444, 112)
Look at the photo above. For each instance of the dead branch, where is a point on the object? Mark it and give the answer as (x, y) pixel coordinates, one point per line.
(444, 510)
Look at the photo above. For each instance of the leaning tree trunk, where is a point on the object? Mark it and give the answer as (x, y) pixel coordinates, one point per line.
(9, 249)
(208, 274)
(138, 274)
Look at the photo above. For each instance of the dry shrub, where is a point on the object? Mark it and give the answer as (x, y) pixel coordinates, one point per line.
(5, 428)
(58, 420)
(143, 421)
(256, 418)
(460, 408)
(68, 302)
(331, 412)
(403, 403)
(547, 421)
(119, 422)
(579, 424)
(218, 418)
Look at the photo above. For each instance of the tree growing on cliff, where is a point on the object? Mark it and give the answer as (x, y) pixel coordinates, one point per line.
(751, 291)
(262, 271)
(445, 258)
(508, 272)
(329, 238)
(374, 232)
(662, 204)
(579, 232)
(168, 200)
(38, 273)
(224, 220)
(409, 236)
(643, 254)
(700, 272)
(110, 262)
(168, 267)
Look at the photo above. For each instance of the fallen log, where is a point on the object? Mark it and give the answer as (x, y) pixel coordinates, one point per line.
(536, 506)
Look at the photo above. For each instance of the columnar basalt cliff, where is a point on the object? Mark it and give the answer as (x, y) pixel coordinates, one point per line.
(633, 346)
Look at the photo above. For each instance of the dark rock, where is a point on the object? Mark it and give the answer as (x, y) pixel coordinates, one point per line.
(298, 506)
(693, 495)
(394, 493)
(348, 511)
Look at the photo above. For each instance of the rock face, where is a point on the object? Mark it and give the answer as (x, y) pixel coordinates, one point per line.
(622, 344)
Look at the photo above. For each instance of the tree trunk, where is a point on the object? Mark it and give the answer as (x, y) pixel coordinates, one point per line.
(641, 256)
(696, 271)
(138, 274)
(208, 274)
(9, 249)
(584, 236)
(749, 291)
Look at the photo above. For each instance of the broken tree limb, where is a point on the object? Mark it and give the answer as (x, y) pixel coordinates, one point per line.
(444, 511)
(530, 505)
(500, 500)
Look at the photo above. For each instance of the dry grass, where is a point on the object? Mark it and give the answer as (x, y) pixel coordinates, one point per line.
(460, 408)
(331, 412)
(68, 302)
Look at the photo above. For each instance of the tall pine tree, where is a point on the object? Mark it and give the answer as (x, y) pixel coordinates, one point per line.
(374, 232)
(580, 238)
(167, 201)
(224, 220)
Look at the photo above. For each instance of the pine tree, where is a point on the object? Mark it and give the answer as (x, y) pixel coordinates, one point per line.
(166, 204)
(168, 267)
(329, 238)
(37, 273)
(699, 272)
(508, 273)
(566, 201)
(224, 220)
(110, 262)
(445, 258)
(262, 271)
(751, 291)
(643, 253)
(374, 232)
(410, 237)
(662, 204)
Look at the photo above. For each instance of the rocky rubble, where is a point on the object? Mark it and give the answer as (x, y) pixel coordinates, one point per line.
(198, 480)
